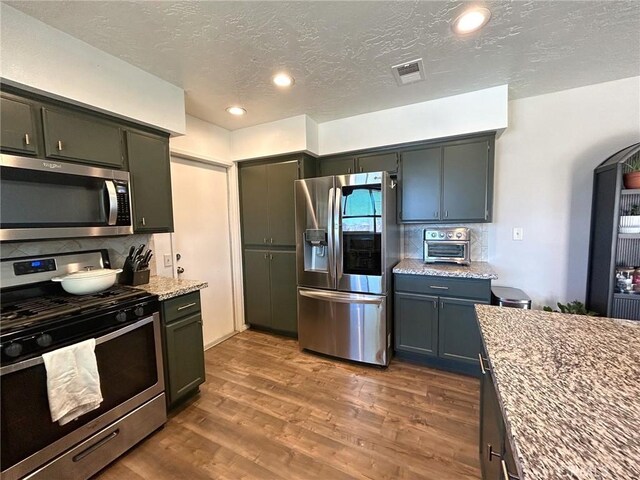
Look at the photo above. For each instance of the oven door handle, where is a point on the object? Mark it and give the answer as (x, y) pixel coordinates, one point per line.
(31, 362)
(112, 206)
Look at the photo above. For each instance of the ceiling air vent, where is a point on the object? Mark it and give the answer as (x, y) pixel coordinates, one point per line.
(408, 72)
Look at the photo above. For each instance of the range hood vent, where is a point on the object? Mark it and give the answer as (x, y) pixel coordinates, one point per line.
(408, 72)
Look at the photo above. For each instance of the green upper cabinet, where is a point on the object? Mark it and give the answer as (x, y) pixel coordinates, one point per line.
(150, 171)
(268, 203)
(337, 166)
(18, 123)
(381, 162)
(420, 185)
(70, 135)
(465, 181)
(448, 182)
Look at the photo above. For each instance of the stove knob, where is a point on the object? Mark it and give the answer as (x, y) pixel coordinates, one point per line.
(44, 340)
(139, 311)
(13, 349)
(121, 316)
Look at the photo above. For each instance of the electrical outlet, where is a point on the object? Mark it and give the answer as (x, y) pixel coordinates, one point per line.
(167, 260)
(518, 233)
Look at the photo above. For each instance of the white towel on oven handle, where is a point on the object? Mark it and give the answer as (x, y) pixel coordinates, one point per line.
(73, 381)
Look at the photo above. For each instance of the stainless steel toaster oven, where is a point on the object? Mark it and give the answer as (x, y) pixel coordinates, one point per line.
(447, 245)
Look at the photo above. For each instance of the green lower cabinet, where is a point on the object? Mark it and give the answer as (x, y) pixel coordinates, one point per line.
(257, 298)
(418, 330)
(183, 352)
(459, 335)
(283, 291)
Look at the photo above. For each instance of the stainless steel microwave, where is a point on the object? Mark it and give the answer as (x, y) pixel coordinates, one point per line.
(45, 199)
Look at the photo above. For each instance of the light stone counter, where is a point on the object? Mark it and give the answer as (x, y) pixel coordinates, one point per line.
(569, 390)
(167, 287)
(415, 266)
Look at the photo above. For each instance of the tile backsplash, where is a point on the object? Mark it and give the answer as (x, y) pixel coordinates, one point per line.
(412, 235)
(118, 247)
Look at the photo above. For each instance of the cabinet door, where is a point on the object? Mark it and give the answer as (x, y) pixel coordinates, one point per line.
(382, 162)
(337, 166)
(185, 356)
(17, 120)
(151, 182)
(257, 303)
(416, 323)
(283, 291)
(491, 436)
(420, 185)
(458, 332)
(253, 198)
(465, 181)
(74, 136)
(281, 202)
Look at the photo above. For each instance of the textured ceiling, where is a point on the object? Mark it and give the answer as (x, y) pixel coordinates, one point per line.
(225, 53)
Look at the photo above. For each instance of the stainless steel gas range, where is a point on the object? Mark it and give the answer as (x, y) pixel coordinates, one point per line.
(37, 316)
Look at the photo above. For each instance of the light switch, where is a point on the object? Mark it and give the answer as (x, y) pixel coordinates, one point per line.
(167, 260)
(518, 233)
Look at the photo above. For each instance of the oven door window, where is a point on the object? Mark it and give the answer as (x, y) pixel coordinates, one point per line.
(31, 199)
(361, 220)
(127, 366)
(446, 250)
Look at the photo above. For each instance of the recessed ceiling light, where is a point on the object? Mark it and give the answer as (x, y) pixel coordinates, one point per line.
(471, 20)
(236, 111)
(283, 80)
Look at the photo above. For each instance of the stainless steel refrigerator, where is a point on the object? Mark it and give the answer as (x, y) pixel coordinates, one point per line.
(347, 243)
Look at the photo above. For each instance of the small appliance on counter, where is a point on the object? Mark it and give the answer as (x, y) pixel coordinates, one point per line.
(447, 245)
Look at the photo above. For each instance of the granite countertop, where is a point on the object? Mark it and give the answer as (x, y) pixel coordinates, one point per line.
(569, 389)
(167, 287)
(415, 266)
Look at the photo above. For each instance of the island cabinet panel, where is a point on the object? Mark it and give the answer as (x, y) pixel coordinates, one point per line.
(418, 330)
(18, 124)
(183, 350)
(435, 321)
(420, 184)
(73, 136)
(491, 429)
(150, 170)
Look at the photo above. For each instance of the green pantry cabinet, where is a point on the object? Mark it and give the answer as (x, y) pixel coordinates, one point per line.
(435, 320)
(268, 236)
(496, 456)
(183, 349)
(447, 182)
(36, 126)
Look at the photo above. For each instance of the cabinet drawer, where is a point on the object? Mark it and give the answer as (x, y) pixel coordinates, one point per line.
(181, 306)
(444, 286)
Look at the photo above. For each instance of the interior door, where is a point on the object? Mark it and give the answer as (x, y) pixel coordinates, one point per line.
(201, 238)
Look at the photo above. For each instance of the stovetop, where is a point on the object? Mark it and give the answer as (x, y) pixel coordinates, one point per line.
(21, 312)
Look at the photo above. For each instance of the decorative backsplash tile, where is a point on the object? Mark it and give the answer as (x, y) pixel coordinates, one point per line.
(118, 247)
(412, 238)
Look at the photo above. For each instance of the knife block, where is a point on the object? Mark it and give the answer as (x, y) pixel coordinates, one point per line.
(129, 277)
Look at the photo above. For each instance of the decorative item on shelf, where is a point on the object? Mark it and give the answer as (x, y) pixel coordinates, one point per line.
(624, 279)
(135, 270)
(630, 220)
(632, 176)
(575, 307)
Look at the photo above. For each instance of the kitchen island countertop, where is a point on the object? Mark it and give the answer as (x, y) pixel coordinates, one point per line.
(415, 266)
(167, 287)
(569, 390)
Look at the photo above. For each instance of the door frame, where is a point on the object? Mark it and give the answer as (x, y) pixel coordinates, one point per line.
(233, 199)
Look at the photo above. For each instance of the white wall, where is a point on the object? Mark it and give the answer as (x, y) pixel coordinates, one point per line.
(273, 138)
(46, 60)
(483, 110)
(203, 140)
(543, 183)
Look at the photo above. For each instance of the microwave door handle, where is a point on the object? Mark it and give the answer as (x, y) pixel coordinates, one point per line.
(112, 206)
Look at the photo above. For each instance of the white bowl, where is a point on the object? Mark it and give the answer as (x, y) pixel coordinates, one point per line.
(88, 281)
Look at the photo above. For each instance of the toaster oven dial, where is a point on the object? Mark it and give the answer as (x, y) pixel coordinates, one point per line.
(458, 235)
(449, 235)
(44, 340)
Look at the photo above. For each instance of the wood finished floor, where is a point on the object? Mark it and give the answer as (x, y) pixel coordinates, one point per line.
(269, 411)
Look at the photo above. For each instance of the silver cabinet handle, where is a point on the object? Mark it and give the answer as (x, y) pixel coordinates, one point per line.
(505, 473)
(188, 305)
(266, 255)
(271, 241)
(361, 169)
(59, 145)
(349, 170)
(483, 369)
(264, 240)
(435, 214)
(27, 141)
(270, 256)
(435, 304)
(438, 287)
(144, 222)
(446, 213)
(491, 453)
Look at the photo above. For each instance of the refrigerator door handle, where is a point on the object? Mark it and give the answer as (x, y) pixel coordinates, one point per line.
(342, 297)
(330, 233)
(337, 235)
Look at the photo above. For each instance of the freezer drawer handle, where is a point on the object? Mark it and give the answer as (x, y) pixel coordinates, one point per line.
(96, 446)
(332, 297)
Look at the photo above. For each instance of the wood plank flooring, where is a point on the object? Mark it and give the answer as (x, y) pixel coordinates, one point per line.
(269, 411)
